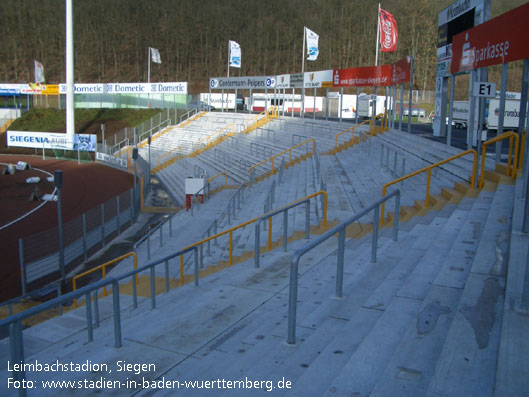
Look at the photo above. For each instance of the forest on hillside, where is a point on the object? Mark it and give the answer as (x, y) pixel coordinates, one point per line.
(112, 37)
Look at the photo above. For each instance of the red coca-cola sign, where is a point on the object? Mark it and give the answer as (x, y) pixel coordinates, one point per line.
(388, 31)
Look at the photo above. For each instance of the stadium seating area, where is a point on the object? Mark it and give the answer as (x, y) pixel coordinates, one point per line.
(424, 319)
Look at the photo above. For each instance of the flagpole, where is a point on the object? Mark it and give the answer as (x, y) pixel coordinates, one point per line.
(303, 74)
(378, 34)
(229, 52)
(149, 67)
(303, 53)
(149, 76)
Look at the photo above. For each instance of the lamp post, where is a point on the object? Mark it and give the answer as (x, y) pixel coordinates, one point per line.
(149, 140)
(57, 179)
(134, 158)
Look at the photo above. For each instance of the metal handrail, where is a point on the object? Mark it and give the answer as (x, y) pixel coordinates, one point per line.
(198, 146)
(289, 150)
(294, 261)
(188, 114)
(352, 129)
(284, 210)
(16, 343)
(257, 121)
(225, 173)
(103, 268)
(149, 132)
(47, 289)
(429, 170)
(151, 232)
(510, 135)
(230, 231)
(384, 123)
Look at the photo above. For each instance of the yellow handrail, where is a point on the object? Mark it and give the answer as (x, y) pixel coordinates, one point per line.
(352, 129)
(289, 150)
(206, 138)
(505, 135)
(103, 268)
(225, 173)
(384, 124)
(231, 230)
(429, 170)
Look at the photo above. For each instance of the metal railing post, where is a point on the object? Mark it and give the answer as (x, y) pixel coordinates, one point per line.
(374, 242)
(88, 305)
(117, 313)
(396, 218)
(307, 219)
(153, 288)
(257, 244)
(285, 230)
(96, 310)
(340, 260)
(148, 245)
(195, 254)
(117, 215)
(166, 268)
(292, 300)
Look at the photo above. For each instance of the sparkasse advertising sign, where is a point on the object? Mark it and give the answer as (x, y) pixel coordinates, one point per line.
(500, 40)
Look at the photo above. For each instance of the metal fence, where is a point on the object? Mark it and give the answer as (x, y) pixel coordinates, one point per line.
(134, 135)
(82, 236)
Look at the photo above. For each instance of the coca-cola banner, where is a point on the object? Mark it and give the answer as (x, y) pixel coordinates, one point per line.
(369, 76)
(401, 71)
(388, 31)
(500, 40)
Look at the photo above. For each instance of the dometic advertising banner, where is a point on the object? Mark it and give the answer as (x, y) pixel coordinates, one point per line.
(401, 71)
(39, 140)
(9, 89)
(128, 88)
(500, 40)
(242, 83)
(319, 79)
(363, 77)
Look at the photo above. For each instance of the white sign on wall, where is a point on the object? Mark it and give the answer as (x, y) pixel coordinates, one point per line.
(244, 83)
(322, 78)
(51, 140)
(484, 89)
(39, 140)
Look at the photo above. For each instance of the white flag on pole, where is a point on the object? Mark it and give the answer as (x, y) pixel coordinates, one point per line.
(155, 55)
(235, 54)
(312, 45)
(39, 72)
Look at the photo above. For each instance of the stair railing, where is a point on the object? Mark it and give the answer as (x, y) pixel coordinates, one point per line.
(510, 135)
(352, 130)
(304, 201)
(340, 229)
(251, 170)
(428, 169)
(15, 326)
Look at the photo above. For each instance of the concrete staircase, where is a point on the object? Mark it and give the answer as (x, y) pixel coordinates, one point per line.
(425, 319)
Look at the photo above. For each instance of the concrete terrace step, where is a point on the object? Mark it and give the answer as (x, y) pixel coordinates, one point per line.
(468, 359)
